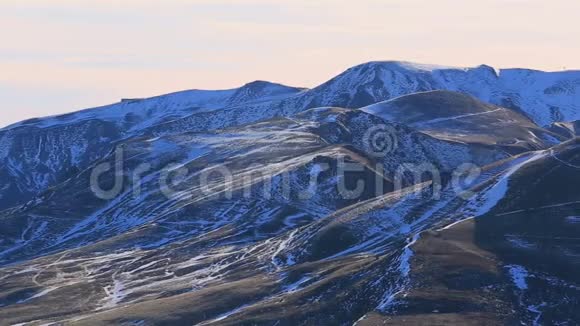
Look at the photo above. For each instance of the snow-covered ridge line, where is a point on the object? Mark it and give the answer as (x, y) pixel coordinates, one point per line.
(179, 103)
(536, 92)
(409, 65)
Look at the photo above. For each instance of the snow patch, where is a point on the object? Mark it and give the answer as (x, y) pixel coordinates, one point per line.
(497, 192)
(518, 275)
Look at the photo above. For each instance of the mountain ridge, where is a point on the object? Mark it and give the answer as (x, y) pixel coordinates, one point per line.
(394, 65)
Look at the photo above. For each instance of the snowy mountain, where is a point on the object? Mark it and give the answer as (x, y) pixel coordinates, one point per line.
(543, 96)
(39, 153)
(394, 193)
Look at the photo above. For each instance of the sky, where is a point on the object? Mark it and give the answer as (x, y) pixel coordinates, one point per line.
(58, 56)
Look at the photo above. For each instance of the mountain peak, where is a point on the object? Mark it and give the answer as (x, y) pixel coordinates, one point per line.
(403, 66)
(263, 84)
(261, 90)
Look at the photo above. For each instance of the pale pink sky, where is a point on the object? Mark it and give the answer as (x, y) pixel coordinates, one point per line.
(62, 55)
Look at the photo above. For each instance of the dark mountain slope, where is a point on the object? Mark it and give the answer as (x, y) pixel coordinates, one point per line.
(460, 117)
(520, 256)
